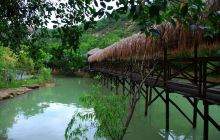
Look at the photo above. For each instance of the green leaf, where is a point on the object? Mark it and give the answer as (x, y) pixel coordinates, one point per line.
(54, 21)
(96, 3)
(154, 11)
(109, 7)
(54, 26)
(103, 4)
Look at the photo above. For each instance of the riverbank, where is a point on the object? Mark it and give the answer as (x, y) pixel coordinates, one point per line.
(13, 92)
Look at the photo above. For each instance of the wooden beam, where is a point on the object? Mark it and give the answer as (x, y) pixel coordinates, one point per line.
(195, 112)
(180, 110)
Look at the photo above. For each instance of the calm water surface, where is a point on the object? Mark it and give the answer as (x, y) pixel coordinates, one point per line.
(44, 114)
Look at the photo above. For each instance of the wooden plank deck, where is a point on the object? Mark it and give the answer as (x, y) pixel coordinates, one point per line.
(185, 89)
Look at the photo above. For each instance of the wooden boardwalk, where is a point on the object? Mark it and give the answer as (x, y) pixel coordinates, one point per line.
(197, 79)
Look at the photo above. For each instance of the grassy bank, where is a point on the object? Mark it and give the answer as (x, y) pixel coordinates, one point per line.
(43, 77)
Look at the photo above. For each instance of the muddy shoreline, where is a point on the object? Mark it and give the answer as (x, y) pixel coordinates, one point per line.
(13, 92)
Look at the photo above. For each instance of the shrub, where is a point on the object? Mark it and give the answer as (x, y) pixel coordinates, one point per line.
(24, 60)
(45, 74)
(8, 61)
(7, 57)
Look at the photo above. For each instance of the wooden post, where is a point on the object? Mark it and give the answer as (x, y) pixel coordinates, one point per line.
(150, 98)
(104, 79)
(146, 100)
(107, 81)
(131, 86)
(195, 63)
(116, 84)
(165, 69)
(205, 103)
(206, 121)
(111, 84)
(167, 110)
(123, 86)
(198, 84)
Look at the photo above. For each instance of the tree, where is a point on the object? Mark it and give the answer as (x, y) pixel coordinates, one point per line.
(112, 113)
(18, 18)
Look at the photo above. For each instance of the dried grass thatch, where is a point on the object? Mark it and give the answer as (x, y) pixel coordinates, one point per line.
(139, 47)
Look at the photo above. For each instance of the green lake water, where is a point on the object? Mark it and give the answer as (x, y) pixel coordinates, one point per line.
(44, 114)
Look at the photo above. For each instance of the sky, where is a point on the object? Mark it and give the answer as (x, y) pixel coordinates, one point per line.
(53, 17)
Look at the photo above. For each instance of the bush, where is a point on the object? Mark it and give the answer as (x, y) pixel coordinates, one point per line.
(8, 61)
(7, 58)
(45, 74)
(24, 60)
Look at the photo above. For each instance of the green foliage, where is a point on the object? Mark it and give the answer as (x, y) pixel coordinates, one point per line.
(7, 57)
(20, 19)
(108, 116)
(215, 50)
(8, 61)
(25, 23)
(23, 82)
(72, 60)
(24, 60)
(45, 74)
(107, 32)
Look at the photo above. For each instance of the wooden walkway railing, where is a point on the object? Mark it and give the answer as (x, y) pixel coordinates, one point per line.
(197, 79)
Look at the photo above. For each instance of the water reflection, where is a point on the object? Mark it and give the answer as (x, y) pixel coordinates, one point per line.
(172, 135)
(45, 113)
(47, 125)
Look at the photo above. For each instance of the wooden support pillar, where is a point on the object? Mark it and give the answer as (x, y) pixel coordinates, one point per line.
(132, 87)
(195, 103)
(166, 77)
(206, 121)
(104, 79)
(116, 84)
(200, 78)
(167, 110)
(205, 103)
(196, 82)
(123, 86)
(107, 81)
(146, 100)
(150, 95)
(111, 79)
(196, 63)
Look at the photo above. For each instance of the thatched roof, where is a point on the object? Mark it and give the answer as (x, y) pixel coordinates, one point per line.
(93, 51)
(176, 38)
(138, 46)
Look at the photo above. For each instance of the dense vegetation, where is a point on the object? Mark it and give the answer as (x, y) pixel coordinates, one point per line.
(33, 47)
(48, 50)
(13, 67)
(105, 33)
(23, 26)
